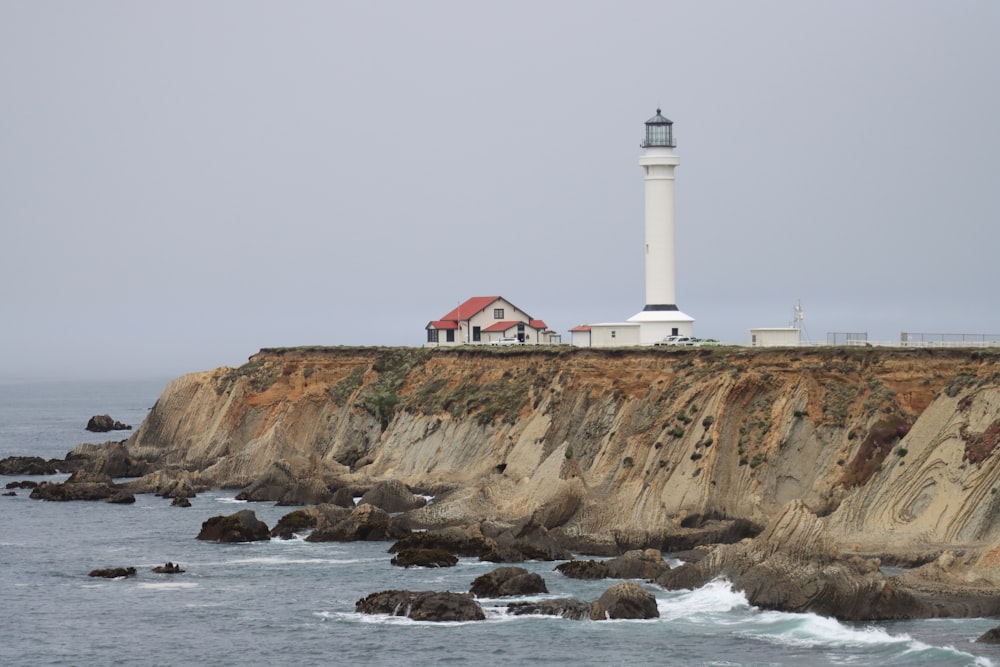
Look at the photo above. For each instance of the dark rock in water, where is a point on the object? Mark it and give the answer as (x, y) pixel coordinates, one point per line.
(635, 564)
(571, 608)
(625, 600)
(461, 541)
(294, 522)
(81, 485)
(10, 493)
(583, 569)
(392, 496)
(280, 484)
(422, 606)
(505, 581)
(168, 568)
(244, 526)
(104, 423)
(113, 572)
(180, 501)
(121, 498)
(24, 484)
(521, 542)
(424, 558)
(990, 637)
(27, 465)
(364, 523)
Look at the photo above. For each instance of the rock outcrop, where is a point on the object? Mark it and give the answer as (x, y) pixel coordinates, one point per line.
(81, 485)
(363, 523)
(392, 496)
(549, 450)
(243, 526)
(505, 581)
(104, 423)
(625, 600)
(424, 558)
(113, 572)
(635, 564)
(422, 606)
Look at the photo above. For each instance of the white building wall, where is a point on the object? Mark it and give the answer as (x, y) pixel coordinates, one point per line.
(774, 337)
(620, 334)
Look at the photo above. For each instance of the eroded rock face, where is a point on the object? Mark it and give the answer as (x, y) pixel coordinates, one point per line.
(422, 606)
(244, 526)
(794, 566)
(625, 600)
(392, 496)
(295, 522)
(506, 581)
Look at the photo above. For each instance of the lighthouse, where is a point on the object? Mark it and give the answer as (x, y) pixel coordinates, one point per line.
(660, 317)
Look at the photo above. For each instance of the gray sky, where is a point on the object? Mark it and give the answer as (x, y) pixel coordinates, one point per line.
(183, 183)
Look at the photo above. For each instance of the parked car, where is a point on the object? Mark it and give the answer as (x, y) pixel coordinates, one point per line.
(677, 340)
(707, 341)
(507, 341)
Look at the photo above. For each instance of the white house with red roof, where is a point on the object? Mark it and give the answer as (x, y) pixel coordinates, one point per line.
(488, 320)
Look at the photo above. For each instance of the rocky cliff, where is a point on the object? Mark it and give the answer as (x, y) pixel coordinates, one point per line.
(893, 448)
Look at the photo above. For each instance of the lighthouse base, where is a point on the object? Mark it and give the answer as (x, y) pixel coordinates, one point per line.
(656, 323)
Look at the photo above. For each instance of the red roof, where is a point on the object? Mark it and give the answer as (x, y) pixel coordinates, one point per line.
(470, 308)
(504, 326)
(539, 324)
(442, 324)
(582, 327)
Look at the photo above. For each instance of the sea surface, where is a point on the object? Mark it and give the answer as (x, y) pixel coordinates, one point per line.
(292, 602)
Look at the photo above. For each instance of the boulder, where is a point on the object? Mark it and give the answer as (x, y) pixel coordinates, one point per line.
(24, 484)
(422, 606)
(10, 493)
(311, 491)
(571, 608)
(424, 558)
(392, 496)
(121, 497)
(528, 541)
(244, 526)
(104, 423)
(625, 600)
(168, 568)
(180, 501)
(505, 581)
(113, 572)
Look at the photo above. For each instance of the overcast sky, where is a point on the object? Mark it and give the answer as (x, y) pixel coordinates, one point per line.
(183, 183)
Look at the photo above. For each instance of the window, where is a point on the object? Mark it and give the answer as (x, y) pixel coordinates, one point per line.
(498, 313)
(612, 333)
(675, 331)
(450, 335)
(432, 336)
(476, 337)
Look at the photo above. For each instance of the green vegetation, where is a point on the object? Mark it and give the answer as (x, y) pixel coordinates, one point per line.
(260, 373)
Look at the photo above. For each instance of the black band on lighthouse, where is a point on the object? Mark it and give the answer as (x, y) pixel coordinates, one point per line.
(661, 306)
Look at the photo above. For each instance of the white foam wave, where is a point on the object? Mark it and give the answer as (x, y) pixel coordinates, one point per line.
(229, 500)
(713, 599)
(385, 619)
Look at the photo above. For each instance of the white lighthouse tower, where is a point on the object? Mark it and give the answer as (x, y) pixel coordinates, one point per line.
(660, 317)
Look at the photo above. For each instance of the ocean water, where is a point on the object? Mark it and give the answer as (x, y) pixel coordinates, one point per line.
(292, 602)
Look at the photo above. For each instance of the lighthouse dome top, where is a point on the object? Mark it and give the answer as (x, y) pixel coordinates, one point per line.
(659, 131)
